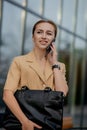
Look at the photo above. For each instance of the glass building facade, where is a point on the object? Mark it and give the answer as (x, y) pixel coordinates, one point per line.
(17, 18)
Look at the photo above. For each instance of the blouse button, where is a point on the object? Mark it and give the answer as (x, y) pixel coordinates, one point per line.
(44, 85)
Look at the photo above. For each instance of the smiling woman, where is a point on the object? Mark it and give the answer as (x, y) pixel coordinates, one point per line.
(35, 70)
(43, 34)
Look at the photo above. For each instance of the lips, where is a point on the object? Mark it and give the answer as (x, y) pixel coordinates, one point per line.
(43, 42)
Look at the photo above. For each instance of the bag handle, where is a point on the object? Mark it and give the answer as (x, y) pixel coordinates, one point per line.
(47, 89)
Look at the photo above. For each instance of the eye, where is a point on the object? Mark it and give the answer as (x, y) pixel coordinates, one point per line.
(49, 33)
(39, 32)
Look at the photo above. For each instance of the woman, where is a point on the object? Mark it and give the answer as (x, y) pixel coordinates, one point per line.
(37, 69)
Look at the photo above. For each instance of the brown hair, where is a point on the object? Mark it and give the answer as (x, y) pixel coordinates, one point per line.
(45, 21)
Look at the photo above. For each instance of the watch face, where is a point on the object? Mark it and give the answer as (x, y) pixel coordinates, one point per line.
(56, 66)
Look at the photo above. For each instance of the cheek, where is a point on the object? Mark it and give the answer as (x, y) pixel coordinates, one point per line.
(34, 39)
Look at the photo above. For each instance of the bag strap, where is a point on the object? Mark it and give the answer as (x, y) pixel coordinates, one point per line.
(47, 89)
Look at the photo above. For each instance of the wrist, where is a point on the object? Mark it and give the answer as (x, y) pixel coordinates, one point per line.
(55, 66)
(24, 120)
(54, 63)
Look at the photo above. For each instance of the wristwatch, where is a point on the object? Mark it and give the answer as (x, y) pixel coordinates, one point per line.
(55, 66)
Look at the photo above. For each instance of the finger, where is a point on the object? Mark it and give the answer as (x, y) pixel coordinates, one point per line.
(37, 126)
(53, 48)
(53, 51)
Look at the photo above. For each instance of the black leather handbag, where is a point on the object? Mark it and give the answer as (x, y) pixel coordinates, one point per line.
(44, 107)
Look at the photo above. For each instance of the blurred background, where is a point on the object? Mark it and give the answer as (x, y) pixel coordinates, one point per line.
(17, 18)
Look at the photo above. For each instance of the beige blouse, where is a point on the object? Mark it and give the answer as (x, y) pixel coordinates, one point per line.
(25, 71)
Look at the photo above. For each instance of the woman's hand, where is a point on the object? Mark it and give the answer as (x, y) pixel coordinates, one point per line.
(52, 56)
(29, 125)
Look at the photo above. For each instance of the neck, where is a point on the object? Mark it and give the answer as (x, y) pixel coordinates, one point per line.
(39, 54)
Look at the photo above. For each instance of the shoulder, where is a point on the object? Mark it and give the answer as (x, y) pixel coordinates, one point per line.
(21, 58)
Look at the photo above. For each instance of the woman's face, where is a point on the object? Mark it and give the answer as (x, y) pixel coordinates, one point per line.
(43, 35)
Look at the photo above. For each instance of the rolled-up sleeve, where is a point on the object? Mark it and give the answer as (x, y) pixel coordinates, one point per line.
(13, 77)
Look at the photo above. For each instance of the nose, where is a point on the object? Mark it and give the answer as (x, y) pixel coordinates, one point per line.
(44, 35)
